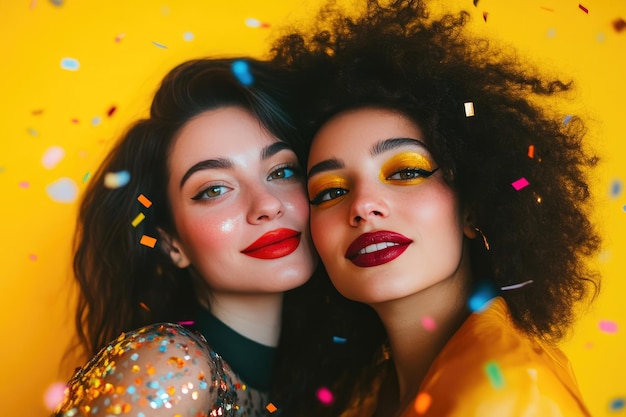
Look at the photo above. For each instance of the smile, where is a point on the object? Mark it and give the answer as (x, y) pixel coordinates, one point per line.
(274, 244)
(377, 248)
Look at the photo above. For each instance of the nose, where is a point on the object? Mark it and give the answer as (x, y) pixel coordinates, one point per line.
(366, 205)
(264, 206)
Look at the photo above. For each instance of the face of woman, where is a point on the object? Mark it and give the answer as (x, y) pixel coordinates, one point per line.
(383, 220)
(239, 205)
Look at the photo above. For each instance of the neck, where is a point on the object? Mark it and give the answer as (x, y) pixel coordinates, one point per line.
(414, 341)
(255, 316)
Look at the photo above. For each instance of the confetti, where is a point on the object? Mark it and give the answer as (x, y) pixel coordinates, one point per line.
(253, 23)
(75, 121)
(32, 257)
(111, 111)
(119, 37)
(616, 188)
(33, 132)
(159, 45)
(428, 323)
(148, 241)
(54, 395)
(481, 298)
(325, 396)
(516, 286)
(271, 408)
(608, 326)
(241, 70)
(469, 109)
(619, 24)
(138, 219)
(551, 33)
(64, 190)
(548, 9)
(485, 14)
(494, 374)
(116, 179)
(37, 112)
(531, 151)
(24, 184)
(422, 402)
(86, 177)
(519, 184)
(186, 323)
(583, 8)
(57, 3)
(144, 200)
(567, 119)
(339, 340)
(188, 36)
(52, 157)
(617, 404)
(96, 121)
(144, 306)
(70, 64)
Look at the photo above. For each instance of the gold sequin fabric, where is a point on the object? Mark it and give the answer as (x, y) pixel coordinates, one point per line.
(159, 370)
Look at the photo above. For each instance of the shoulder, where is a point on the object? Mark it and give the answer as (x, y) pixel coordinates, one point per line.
(489, 367)
(162, 368)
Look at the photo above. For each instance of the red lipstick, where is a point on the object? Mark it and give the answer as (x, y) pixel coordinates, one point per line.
(274, 244)
(377, 248)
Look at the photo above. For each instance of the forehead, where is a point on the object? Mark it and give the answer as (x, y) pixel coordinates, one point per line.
(356, 131)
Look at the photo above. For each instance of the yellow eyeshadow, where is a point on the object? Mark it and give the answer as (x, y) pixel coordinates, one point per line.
(405, 160)
(324, 182)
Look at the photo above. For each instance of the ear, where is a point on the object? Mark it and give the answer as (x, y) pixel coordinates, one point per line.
(469, 224)
(173, 248)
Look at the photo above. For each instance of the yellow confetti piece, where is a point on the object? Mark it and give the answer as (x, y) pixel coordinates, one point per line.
(271, 408)
(148, 241)
(422, 402)
(138, 219)
(469, 109)
(144, 200)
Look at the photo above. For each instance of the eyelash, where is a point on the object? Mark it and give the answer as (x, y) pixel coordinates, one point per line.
(325, 196)
(295, 173)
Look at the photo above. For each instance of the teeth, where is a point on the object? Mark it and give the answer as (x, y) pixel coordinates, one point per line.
(376, 247)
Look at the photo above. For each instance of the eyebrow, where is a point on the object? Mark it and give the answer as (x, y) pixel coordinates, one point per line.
(377, 149)
(225, 163)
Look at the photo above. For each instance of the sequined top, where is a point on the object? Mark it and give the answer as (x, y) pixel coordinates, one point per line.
(162, 370)
(490, 368)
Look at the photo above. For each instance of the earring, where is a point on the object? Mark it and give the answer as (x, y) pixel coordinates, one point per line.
(485, 242)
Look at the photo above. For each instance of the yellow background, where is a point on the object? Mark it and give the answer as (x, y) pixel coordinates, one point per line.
(43, 105)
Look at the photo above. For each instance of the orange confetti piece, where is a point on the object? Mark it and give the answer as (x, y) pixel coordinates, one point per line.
(144, 306)
(422, 402)
(271, 408)
(144, 200)
(148, 241)
(531, 151)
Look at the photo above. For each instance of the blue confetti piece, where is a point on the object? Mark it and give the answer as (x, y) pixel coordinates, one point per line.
(64, 190)
(96, 121)
(253, 23)
(241, 70)
(567, 119)
(134, 356)
(616, 188)
(339, 340)
(617, 404)
(188, 36)
(70, 64)
(481, 298)
(160, 45)
(114, 180)
(33, 132)
(57, 3)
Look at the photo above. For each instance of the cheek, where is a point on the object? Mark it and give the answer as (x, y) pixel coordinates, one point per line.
(201, 233)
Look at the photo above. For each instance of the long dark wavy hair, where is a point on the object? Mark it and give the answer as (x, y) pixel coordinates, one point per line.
(395, 55)
(124, 284)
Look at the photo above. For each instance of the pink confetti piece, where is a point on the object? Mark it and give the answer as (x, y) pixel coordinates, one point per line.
(608, 326)
(583, 8)
(325, 396)
(186, 323)
(428, 323)
(54, 395)
(24, 184)
(519, 184)
(32, 257)
(52, 157)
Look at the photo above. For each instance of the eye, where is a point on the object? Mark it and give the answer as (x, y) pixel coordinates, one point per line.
(328, 194)
(283, 173)
(211, 192)
(408, 174)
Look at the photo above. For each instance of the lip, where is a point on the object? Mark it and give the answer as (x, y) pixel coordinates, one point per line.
(274, 244)
(390, 246)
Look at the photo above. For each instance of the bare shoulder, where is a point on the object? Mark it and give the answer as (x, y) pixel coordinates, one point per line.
(157, 370)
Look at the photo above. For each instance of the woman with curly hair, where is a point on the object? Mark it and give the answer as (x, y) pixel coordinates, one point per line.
(208, 228)
(447, 196)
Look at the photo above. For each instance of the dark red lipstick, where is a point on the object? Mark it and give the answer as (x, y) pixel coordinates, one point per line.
(274, 244)
(376, 248)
